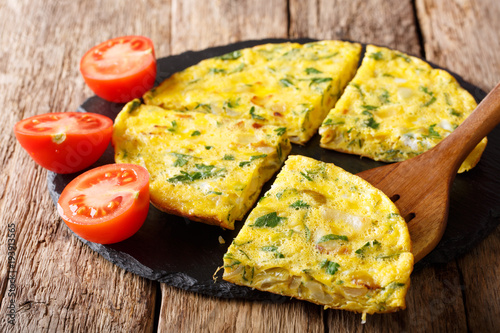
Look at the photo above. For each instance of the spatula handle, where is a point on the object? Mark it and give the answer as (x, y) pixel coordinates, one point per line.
(458, 145)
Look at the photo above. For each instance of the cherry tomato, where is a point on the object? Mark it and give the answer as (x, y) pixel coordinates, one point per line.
(65, 142)
(107, 204)
(121, 68)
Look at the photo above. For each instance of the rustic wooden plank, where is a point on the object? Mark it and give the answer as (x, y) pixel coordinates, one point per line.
(387, 23)
(60, 285)
(190, 312)
(197, 25)
(471, 51)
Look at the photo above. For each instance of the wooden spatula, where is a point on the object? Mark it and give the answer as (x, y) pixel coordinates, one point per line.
(420, 186)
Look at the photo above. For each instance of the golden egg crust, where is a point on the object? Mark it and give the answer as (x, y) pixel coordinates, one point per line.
(205, 167)
(326, 236)
(396, 107)
(288, 85)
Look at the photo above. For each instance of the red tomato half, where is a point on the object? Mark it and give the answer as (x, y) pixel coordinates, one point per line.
(120, 69)
(107, 204)
(65, 142)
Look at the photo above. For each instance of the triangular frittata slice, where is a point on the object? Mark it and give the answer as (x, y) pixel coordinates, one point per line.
(204, 167)
(397, 107)
(326, 236)
(289, 84)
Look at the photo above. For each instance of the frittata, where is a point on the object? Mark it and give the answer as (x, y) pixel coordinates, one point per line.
(205, 167)
(326, 236)
(397, 107)
(288, 85)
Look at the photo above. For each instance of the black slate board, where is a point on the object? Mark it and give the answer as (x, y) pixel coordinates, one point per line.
(186, 254)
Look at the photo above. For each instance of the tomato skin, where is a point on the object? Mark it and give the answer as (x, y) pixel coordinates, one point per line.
(119, 224)
(78, 149)
(124, 83)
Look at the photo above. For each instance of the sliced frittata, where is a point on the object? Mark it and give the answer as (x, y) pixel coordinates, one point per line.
(205, 167)
(288, 85)
(326, 236)
(397, 107)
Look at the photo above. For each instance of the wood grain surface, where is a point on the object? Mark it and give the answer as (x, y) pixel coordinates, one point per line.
(61, 285)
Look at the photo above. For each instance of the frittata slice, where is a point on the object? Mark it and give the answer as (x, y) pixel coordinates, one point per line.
(326, 236)
(289, 84)
(204, 167)
(397, 107)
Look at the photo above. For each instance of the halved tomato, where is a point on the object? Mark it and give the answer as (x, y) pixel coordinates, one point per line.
(121, 68)
(107, 204)
(65, 142)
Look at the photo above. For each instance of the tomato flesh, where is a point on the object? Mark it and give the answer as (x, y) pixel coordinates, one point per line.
(107, 204)
(65, 142)
(120, 69)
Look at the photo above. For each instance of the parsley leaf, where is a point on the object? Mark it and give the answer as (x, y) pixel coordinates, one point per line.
(181, 160)
(330, 266)
(280, 131)
(299, 204)
(376, 55)
(195, 133)
(311, 70)
(273, 249)
(255, 116)
(231, 55)
(255, 157)
(318, 80)
(286, 83)
(370, 122)
(330, 237)
(228, 158)
(270, 220)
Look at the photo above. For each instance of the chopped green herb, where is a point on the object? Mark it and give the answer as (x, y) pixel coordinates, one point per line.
(330, 266)
(391, 215)
(361, 251)
(279, 152)
(306, 176)
(134, 105)
(231, 55)
(214, 192)
(370, 122)
(255, 116)
(273, 249)
(203, 172)
(216, 70)
(339, 282)
(355, 85)
(280, 131)
(429, 102)
(206, 107)
(311, 70)
(447, 98)
(181, 160)
(376, 55)
(384, 97)
(432, 132)
(243, 163)
(299, 204)
(286, 83)
(256, 157)
(426, 90)
(270, 220)
(174, 126)
(331, 237)
(369, 107)
(454, 112)
(195, 133)
(318, 80)
(406, 58)
(228, 158)
(208, 147)
(243, 252)
(331, 122)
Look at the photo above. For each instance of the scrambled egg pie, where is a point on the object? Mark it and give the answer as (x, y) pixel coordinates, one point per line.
(290, 85)
(326, 236)
(205, 167)
(397, 107)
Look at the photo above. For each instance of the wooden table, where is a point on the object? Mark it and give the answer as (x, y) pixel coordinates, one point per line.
(61, 285)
